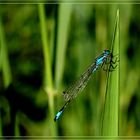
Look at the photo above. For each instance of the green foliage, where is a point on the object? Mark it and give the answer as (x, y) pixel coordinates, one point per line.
(62, 39)
(111, 108)
(4, 59)
(48, 46)
(48, 83)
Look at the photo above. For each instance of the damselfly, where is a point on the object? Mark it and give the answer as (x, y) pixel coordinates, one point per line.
(72, 91)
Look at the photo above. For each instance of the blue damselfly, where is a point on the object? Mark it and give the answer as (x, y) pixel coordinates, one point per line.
(72, 91)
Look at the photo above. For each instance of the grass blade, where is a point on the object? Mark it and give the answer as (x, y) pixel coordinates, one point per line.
(5, 66)
(46, 51)
(110, 120)
(48, 81)
(62, 37)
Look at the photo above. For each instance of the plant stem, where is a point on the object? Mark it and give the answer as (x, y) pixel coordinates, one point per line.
(46, 51)
(7, 76)
(62, 39)
(110, 124)
(48, 82)
(5, 66)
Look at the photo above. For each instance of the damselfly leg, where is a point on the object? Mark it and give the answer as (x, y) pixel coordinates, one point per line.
(110, 64)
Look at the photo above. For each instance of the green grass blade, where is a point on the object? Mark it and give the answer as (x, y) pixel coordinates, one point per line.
(5, 66)
(6, 71)
(62, 37)
(110, 122)
(46, 52)
(48, 81)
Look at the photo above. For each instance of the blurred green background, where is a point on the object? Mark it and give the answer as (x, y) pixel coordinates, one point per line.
(46, 47)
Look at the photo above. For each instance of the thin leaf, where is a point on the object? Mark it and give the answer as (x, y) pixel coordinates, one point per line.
(62, 38)
(110, 122)
(46, 52)
(5, 66)
(48, 81)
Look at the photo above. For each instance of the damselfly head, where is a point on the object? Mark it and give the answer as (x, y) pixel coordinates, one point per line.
(106, 52)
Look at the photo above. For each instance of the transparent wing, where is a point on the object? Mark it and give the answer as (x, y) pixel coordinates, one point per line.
(72, 91)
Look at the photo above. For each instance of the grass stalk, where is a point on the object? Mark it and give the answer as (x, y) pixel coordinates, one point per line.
(5, 66)
(48, 81)
(6, 71)
(62, 39)
(110, 120)
(46, 51)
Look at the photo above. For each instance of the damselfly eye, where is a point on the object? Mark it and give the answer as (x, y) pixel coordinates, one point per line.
(106, 52)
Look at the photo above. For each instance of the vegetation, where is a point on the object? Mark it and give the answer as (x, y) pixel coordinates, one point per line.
(44, 48)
